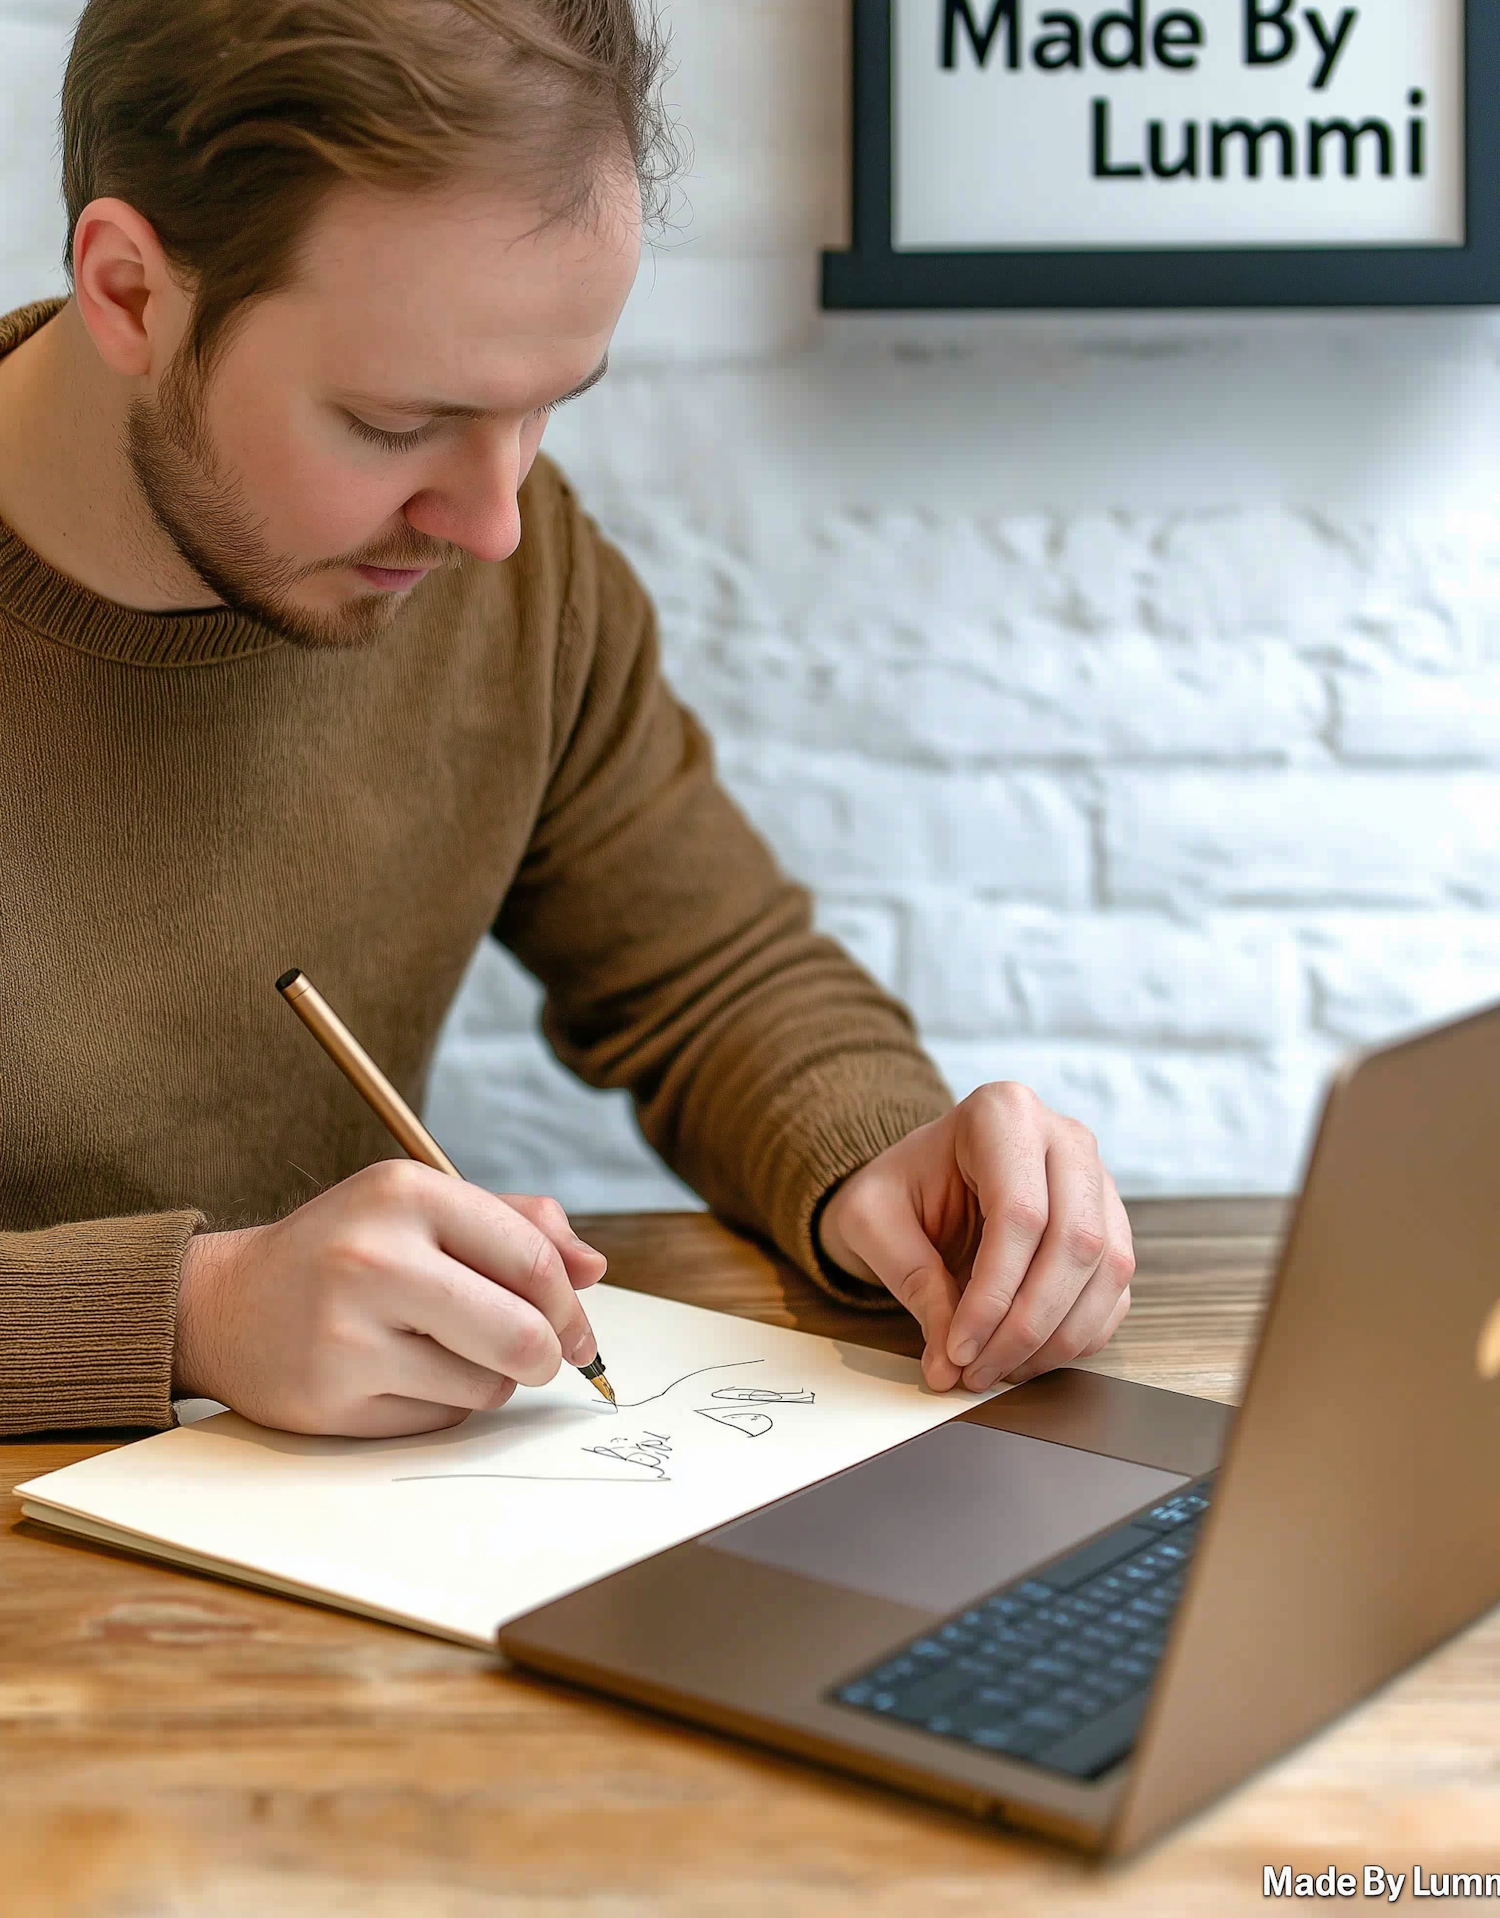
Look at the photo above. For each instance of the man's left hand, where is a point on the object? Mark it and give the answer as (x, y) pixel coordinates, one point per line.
(999, 1230)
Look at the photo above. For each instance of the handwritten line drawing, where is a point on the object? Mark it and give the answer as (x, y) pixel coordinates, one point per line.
(634, 1405)
(752, 1424)
(763, 1395)
(650, 1452)
(647, 1455)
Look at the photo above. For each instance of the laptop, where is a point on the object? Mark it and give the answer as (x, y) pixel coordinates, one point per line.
(1088, 1607)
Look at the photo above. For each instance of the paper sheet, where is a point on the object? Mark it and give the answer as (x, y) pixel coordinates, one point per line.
(458, 1531)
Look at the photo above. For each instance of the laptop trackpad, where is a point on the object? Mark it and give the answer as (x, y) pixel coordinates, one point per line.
(945, 1517)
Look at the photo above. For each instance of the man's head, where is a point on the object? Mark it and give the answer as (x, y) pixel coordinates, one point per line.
(346, 254)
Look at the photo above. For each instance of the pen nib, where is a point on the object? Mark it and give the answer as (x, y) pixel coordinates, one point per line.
(603, 1387)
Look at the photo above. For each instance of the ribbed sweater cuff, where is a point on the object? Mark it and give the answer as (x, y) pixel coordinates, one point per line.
(90, 1311)
(870, 1101)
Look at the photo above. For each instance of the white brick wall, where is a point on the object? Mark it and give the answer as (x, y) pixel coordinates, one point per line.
(1128, 689)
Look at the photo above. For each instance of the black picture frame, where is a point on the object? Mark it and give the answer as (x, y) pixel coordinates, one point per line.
(871, 276)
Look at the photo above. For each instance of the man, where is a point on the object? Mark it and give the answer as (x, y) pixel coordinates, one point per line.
(305, 658)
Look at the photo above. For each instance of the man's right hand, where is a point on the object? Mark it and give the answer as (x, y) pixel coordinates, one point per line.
(399, 1301)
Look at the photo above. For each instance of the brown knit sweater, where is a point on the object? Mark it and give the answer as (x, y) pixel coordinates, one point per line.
(188, 807)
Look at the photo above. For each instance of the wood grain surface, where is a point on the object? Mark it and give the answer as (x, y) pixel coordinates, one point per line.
(182, 1748)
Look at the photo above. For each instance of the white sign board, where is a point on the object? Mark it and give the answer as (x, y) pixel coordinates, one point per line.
(1142, 123)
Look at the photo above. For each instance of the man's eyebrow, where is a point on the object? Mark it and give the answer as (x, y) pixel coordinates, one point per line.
(447, 410)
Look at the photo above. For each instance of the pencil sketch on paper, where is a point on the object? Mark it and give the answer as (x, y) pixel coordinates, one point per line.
(644, 1460)
(649, 1453)
(762, 1395)
(752, 1424)
(634, 1405)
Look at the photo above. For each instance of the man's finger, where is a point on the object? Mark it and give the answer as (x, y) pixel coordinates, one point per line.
(1097, 1312)
(389, 1416)
(885, 1232)
(585, 1264)
(418, 1367)
(493, 1239)
(1065, 1260)
(1004, 1148)
(1078, 1337)
(488, 1324)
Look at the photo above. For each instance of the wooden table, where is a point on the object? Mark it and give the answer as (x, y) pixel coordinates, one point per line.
(174, 1745)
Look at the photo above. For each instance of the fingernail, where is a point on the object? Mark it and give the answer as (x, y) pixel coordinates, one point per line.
(967, 1351)
(581, 1348)
(984, 1378)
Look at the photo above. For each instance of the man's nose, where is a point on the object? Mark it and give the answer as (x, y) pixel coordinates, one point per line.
(473, 504)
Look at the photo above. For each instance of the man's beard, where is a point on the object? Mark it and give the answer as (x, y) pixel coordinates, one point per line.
(202, 510)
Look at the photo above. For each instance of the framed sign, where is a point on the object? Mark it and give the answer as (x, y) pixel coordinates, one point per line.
(1152, 153)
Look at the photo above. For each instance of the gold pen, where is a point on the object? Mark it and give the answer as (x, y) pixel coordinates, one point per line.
(384, 1100)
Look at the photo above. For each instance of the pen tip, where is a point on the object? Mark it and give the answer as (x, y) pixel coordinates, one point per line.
(603, 1387)
(289, 978)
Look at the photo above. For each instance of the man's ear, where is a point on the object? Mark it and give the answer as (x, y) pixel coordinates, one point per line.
(135, 309)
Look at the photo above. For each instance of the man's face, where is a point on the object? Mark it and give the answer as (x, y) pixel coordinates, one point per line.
(376, 418)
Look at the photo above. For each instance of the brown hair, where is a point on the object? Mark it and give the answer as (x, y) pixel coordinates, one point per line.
(226, 122)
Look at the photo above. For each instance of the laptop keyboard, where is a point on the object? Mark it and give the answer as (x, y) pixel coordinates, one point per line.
(1054, 1668)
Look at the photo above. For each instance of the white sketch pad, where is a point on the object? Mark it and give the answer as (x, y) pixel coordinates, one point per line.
(456, 1532)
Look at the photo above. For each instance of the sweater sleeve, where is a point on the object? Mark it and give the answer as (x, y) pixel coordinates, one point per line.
(679, 962)
(90, 1313)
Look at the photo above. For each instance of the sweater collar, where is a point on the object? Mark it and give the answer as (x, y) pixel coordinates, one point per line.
(48, 602)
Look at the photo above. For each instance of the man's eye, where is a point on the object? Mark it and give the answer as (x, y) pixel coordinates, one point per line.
(392, 442)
